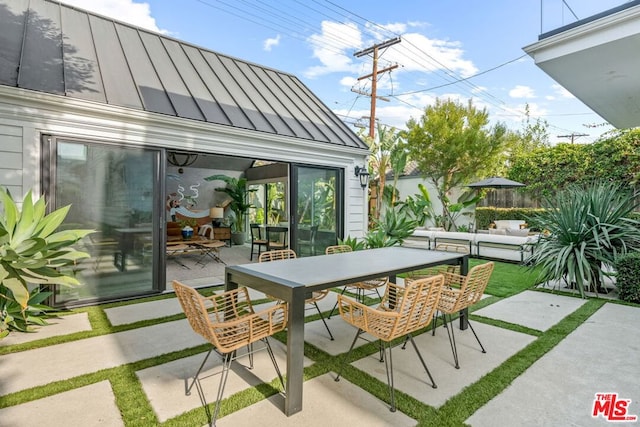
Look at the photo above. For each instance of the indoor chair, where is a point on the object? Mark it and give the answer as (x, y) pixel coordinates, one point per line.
(256, 240)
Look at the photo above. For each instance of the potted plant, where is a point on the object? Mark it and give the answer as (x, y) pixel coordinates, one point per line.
(187, 226)
(33, 251)
(238, 190)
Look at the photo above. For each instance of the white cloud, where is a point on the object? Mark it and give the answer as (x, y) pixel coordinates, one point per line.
(335, 45)
(138, 14)
(269, 43)
(521, 91)
(417, 52)
(331, 46)
(562, 92)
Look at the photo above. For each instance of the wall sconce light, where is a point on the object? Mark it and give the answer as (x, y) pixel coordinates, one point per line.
(216, 214)
(361, 172)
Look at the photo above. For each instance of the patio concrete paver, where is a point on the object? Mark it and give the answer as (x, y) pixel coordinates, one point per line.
(326, 403)
(85, 406)
(62, 325)
(165, 385)
(600, 356)
(410, 377)
(132, 313)
(536, 310)
(64, 361)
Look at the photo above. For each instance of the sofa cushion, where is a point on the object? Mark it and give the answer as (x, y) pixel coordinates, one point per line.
(501, 231)
(509, 223)
(520, 232)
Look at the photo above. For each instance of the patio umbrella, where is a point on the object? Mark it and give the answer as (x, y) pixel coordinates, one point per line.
(496, 182)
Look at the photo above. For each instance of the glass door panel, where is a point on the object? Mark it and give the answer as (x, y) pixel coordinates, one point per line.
(111, 190)
(318, 209)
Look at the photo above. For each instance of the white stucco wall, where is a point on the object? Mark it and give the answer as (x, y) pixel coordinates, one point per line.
(408, 186)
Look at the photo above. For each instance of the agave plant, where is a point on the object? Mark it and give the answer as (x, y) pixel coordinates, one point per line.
(32, 252)
(588, 227)
(390, 230)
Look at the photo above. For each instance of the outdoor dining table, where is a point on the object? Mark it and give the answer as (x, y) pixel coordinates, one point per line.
(292, 280)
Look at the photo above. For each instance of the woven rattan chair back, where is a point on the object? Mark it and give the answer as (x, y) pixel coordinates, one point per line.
(229, 322)
(433, 271)
(403, 310)
(276, 255)
(282, 254)
(471, 287)
(337, 249)
(406, 309)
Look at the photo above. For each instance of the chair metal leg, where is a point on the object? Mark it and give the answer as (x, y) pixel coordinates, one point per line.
(226, 367)
(195, 377)
(433, 383)
(344, 360)
(476, 335)
(388, 365)
(275, 364)
(336, 304)
(323, 321)
(452, 340)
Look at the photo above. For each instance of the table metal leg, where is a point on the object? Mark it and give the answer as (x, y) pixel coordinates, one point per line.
(295, 352)
(464, 314)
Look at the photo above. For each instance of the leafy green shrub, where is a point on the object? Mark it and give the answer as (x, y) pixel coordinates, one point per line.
(355, 244)
(628, 277)
(32, 252)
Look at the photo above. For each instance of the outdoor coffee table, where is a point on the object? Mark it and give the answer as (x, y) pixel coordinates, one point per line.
(293, 280)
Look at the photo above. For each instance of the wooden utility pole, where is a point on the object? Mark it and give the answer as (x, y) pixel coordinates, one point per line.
(573, 136)
(374, 77)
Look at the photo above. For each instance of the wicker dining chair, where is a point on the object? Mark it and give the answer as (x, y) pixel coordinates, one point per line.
(281, 254)
(361, 288)
(459, 294)
(228, 322)
(402, 311)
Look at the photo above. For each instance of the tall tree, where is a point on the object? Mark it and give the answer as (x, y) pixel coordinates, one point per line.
(453, 144)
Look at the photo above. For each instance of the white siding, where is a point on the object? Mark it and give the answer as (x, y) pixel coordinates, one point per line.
(11, 165)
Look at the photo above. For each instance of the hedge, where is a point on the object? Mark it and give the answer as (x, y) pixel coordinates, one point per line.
(628, 277)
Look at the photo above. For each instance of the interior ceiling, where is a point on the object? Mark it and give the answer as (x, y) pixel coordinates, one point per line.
(212, 161)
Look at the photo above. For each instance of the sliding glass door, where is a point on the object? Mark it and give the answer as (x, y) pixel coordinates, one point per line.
(317, 209)
(113, 190)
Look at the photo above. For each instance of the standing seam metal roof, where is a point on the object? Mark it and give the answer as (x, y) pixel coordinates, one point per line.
(50, 47)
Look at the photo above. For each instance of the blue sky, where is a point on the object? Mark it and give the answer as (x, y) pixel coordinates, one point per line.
(445, 44)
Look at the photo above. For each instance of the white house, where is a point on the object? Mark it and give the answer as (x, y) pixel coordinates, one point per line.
(123, 123)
